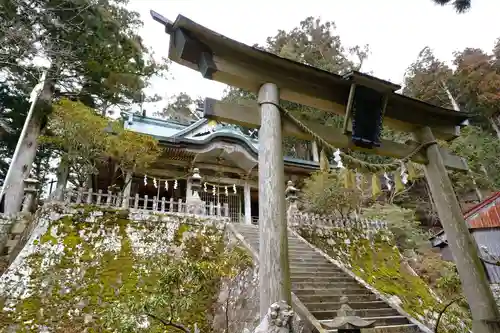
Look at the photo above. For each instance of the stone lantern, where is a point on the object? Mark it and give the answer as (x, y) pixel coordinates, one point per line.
(30, 190)
(291, 197)
(195, 181)
(193, 202)
(291, 193)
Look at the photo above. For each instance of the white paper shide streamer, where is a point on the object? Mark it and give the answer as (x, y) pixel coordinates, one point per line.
(338, 159)
(404, 174)
(388, 183)
(145, 180)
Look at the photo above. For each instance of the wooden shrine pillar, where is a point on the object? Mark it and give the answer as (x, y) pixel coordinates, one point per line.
(315, 151)
(475, 284)
(274, 270)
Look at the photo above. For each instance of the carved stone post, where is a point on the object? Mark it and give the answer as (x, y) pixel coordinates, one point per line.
(274, 271)
(193, 202)
(248, 203)
(278, 319)
(291, 197)
(29, 195)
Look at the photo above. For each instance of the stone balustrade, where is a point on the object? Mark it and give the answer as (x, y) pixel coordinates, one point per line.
(154, 204)
(303, 218)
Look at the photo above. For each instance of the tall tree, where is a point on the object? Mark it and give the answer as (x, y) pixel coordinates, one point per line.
(94, 55)
(461, 6)
(427, 79)
(182, 109)
(317, 44)
(473, 84)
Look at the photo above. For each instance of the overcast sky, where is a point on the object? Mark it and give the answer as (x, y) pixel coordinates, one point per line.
(396, 30)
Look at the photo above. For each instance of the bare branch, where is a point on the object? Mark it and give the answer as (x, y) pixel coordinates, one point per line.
(169, 323)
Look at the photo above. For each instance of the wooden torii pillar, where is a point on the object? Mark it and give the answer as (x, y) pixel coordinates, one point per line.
(273, 78)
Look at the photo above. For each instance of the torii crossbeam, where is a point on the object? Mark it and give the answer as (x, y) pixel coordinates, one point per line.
(273, 78)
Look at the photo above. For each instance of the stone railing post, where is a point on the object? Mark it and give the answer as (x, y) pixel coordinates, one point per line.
(291, 197)
(29, 195)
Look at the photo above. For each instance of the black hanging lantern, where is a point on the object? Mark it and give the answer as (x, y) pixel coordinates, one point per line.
(367, 115)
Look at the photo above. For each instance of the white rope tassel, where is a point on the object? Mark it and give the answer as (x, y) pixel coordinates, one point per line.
(404, 174)
(387, 181)
(338, 159)
(145, 180)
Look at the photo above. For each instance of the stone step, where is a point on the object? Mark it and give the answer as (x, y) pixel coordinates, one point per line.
(308, 278)
(291, 244)
(319, 271)
(307, 264)
(307, 252)
(308, 259)
(319, 284)
(380, 321)
(334, 298)
(331, 292)
(326, 285)
(404, 328)
(353, 304)
(330, 314)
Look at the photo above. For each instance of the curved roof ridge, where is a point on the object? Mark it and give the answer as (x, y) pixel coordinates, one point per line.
(191, 128)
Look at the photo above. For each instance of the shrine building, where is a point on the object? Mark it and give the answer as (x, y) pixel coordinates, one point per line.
(226, 157)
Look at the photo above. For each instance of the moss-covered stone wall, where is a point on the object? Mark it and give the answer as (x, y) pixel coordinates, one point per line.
(376, 259)
(99, 271)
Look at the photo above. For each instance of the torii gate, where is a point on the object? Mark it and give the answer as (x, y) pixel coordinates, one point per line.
(273, 78)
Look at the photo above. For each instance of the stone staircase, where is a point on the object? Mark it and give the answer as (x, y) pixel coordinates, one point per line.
(319, 284)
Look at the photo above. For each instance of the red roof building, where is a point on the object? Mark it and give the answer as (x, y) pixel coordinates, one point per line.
(483, 220)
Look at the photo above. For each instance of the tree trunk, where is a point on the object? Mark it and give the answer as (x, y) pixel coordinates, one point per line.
(22, 166)
(300, 150)
(494, 125)
(127, 189)
(62, 179)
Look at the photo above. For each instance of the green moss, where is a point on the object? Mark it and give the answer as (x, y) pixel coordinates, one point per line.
(100, 289)
(379, 263)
